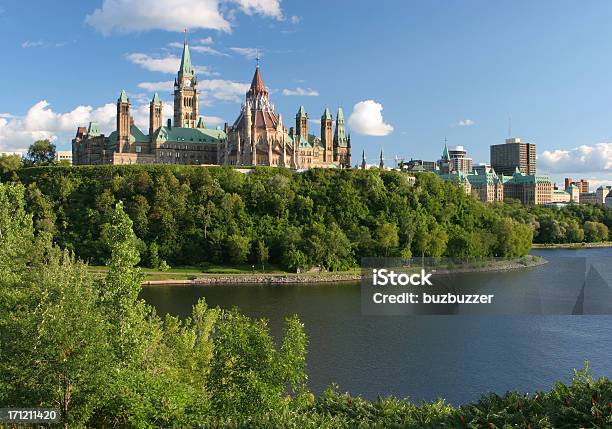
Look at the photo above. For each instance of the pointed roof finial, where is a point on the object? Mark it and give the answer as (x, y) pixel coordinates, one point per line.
(257, 58)
(257, 84)
(186, 67)
(123, 98)
(445, 155)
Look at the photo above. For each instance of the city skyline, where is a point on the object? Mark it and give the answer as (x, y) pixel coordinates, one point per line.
(423, 74)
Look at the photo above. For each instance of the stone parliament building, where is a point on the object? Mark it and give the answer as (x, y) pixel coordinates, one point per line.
(257, 137)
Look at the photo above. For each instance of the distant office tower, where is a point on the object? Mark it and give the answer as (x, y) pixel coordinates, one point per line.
(454, 159)
(583, 185)
(505, 158)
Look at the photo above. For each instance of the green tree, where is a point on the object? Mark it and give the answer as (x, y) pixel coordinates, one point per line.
(387, 238)
(262, 253)
(9, 164)
(249, 376)
(41, 152)
(595, 231)
(237, 247)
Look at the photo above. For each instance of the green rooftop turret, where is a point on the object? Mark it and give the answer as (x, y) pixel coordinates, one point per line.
(326, 114)
(186, 67)
(123, 98)
(156, 99)
(445, 155)
(301, 112)
(340, 132)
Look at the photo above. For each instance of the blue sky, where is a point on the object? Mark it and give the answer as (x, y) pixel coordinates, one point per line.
(412, 72)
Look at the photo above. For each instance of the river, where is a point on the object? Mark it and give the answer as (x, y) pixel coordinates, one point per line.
(457, 357)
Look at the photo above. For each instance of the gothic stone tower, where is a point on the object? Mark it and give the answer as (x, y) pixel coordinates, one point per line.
(124, 120)
(155, 114)
(342, 143)
(326, 136)
(301, 123)
(186, 93)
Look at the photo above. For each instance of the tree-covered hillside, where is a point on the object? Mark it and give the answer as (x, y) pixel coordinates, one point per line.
(87, 346)
(329, 218)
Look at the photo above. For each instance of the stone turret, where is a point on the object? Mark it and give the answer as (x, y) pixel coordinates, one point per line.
(124, 120)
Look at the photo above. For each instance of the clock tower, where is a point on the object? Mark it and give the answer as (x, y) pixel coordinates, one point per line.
(186, 93)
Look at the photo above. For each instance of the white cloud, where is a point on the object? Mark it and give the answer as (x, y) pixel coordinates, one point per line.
(301, 92)
(295, 19)
(224, 90)
(219, 89)
(41, 122)
(166, 85)
(585, 158)
(213, 121)
(466, 123)
(248, 53)
(208, 50)
(269, 8)
(202, 46)
(32, 44)
(367, 119)
(167, 64)
(126, 16)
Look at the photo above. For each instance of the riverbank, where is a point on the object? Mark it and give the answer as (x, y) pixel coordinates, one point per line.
(334, 277)
(602, 244)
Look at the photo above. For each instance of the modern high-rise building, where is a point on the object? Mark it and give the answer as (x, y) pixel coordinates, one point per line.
(583, 185)
(455, 159)
(513, 154)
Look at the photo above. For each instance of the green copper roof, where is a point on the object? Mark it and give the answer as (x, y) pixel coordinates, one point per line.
(455, 176)
(481, 179)
(518, 178)
(186, 68)
(301, 113)
(189, 135)
(93, 130)
(156, 99)
(123, 98)
(340, 132)
(445, 155)
(135, 136)
(326, 114)
(200, 123)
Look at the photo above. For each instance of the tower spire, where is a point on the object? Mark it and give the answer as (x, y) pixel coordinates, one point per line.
(186, 67)
(257, 84)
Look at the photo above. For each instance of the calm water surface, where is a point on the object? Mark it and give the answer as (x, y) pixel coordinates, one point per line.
(421, 357)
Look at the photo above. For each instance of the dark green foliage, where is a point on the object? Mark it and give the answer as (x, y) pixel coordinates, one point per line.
(574, 223)
(324, 218)
(91, 348)
(41, 152)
